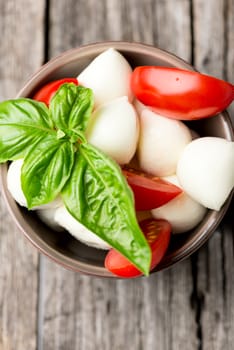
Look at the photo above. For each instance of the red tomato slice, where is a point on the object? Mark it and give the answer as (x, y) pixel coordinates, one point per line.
(150, 192)
(157, 233)
(181, 94)
(47, 91)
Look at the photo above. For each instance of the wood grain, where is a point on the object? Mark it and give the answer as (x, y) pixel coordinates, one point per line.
(86, 313)
(214, 38)
(21, 52)
(82, 312)
(213, 54)
(229, 47)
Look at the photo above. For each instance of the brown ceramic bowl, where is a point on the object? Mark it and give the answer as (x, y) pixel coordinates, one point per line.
(62, 247)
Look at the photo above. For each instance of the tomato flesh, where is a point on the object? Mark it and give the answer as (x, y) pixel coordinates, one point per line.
(47, 91)
(180, 94)
(157, 233)
(150, 192)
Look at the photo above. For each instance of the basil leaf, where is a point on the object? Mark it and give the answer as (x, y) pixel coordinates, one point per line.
(71, 107)
(46, 169)
(98, 196)
(23, 123)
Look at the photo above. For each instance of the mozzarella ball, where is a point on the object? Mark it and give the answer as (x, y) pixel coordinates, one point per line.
(206, 170)
(14, 182)
(108, 75)
(114, 129)
(182, 212)
(47, 216)
(79, 231)
(161, 143)
(15, 189)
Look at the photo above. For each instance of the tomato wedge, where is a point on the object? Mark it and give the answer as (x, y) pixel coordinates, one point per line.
(157, 233)
(150, 192)
(47, 91)
(181, 94)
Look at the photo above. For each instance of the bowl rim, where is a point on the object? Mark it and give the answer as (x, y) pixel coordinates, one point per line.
(76, 265)
(71, 54)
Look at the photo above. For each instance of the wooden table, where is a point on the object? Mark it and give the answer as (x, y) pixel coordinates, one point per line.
(43, 306)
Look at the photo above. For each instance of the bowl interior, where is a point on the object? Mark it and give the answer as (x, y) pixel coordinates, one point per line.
(61, 246)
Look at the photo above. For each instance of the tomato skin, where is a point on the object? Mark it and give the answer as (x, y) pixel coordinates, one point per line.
(180, 94)
(47, 91)
(158, 234)
(150, 192)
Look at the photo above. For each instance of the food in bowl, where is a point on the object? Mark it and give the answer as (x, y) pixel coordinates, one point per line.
(67, 129)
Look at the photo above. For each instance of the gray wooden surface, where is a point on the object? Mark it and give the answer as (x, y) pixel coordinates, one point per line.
(43, 306)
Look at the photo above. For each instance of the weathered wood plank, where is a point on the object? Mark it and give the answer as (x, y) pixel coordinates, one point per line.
(213, 54)
(89, 313)
(86, 313)
(215, 290)
(21, 52)
(229, 48)
(173, 22)
(90, 21)
(228, 276)
(209, 36)
(214, 38)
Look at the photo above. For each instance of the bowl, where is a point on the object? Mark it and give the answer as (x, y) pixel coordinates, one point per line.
(62, 247)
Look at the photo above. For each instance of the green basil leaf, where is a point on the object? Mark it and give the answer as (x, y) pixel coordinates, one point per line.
(71, 107)
(46, 169)
(98, 196)
(23, 123)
